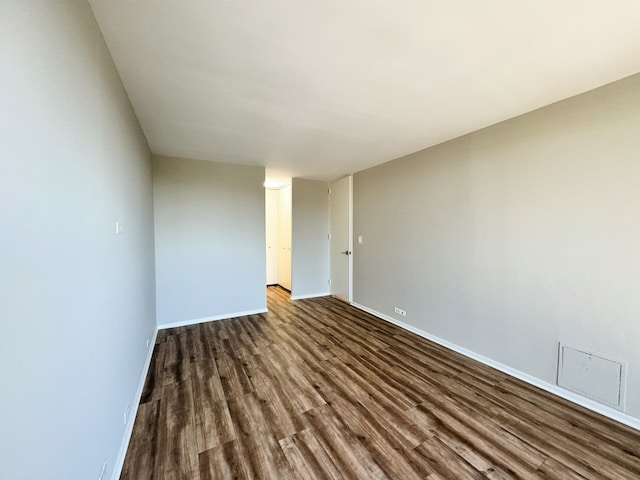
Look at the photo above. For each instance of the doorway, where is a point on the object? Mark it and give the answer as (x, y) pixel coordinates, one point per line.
(278, 235)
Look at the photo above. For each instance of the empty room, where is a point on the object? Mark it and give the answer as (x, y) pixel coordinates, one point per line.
(320, 240)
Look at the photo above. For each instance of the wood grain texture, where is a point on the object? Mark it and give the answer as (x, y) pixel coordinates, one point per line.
(316, 389)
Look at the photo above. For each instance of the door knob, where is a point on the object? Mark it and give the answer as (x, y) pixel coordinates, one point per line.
(346, 252)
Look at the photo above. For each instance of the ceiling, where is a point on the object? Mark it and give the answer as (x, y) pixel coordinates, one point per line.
(318, 89)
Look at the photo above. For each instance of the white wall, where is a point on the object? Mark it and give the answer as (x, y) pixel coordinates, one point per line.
(77, 300)
(284, 237)
(210, 239)
(271, 221)
(513, 238)
(310, 226)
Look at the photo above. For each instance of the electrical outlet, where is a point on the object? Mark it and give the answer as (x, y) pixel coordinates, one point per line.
(103, 471)
(126, 413)
(399, 311)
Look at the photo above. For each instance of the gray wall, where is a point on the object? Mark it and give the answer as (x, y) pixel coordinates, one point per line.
(77, 299)
(310, 227)
(210, 239)
(515, 237)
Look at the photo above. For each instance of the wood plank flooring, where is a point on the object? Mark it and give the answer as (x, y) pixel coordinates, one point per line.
(316, 389)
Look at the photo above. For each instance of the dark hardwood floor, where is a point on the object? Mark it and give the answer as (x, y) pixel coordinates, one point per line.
(318, 389)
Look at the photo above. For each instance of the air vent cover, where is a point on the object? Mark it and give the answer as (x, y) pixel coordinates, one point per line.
(591, 375)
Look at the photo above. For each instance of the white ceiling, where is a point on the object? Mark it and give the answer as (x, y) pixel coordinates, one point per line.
(322, 88)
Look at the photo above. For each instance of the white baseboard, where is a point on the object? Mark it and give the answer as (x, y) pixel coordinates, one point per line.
(310, 295)
(224, 316)
(119, 463)
(612, 413)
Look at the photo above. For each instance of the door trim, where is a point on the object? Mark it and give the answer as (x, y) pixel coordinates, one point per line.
(350, 238)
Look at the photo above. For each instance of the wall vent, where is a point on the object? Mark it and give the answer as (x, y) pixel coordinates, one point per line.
(592, 375)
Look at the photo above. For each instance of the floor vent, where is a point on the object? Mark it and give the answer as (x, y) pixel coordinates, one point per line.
(591, 375)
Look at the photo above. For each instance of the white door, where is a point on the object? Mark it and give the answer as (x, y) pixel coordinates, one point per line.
(271, 222)
(284, 237)
(341, 244)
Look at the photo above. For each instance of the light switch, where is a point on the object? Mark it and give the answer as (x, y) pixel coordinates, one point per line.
(119, 228)
(360, 239)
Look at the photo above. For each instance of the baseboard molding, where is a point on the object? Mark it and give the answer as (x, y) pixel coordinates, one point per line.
(119, 463)
(611, 413)
(310, 295)
(224, 316)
